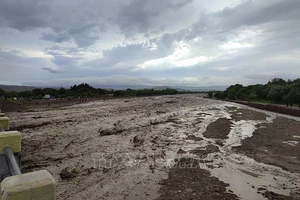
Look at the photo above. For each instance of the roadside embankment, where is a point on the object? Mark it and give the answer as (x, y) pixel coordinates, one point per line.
(271, 107)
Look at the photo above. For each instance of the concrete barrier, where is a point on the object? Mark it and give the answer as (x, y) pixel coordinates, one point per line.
(38, 185)
(4, 123)
(11, 139)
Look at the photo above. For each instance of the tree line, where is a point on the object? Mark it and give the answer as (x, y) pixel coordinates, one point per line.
(83, 90)
(277, 90)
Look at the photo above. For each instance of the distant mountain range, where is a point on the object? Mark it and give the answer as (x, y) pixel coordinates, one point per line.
(18, 88)
(201, 89)
(179, 88)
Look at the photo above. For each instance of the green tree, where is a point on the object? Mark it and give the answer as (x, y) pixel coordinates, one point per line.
(233, 91)
(253, 96)
(220, 95)
(276, 93)
(277, 81)
(102, 91)
(297, 98)
(38, 92)
(2, 92)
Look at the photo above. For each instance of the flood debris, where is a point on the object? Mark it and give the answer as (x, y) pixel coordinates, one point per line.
(137, 141)
(68, 173)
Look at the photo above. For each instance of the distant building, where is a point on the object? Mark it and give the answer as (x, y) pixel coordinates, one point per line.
(48, 97)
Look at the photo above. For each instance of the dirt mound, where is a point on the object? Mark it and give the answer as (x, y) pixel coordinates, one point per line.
(246, 114)
(189, 181)
(275, 143)
(11, 106)
(218, 129)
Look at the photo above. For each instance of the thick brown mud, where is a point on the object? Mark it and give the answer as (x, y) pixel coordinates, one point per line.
(128, 149)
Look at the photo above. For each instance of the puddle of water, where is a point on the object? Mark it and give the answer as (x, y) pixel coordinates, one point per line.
(245, 176)
(240, 131)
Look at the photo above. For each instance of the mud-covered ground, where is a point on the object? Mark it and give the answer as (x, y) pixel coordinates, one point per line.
(169, 147)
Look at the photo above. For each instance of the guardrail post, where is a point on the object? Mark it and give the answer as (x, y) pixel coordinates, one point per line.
(39, 185)
(4, 123)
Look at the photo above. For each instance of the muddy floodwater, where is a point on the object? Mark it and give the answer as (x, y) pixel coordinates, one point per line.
(166, 147)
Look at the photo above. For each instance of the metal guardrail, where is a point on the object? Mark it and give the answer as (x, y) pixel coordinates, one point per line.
(11, 161)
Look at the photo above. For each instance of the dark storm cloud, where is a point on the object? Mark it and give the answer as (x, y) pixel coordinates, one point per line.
(24, 15)
(136, 17)
(61, 17)
(53, 71)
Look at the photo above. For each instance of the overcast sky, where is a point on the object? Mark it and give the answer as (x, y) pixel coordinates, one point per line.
(148, 42)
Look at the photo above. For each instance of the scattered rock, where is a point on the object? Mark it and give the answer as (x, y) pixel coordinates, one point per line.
(219, 142)
(171, 101)
(68, 173)
(110, 131)
(151, 167)
(137, 141)
(180, 151)
(105, 170)
(192, 137)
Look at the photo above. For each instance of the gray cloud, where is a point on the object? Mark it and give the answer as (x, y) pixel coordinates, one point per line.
(183, 41)
(58, 38)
